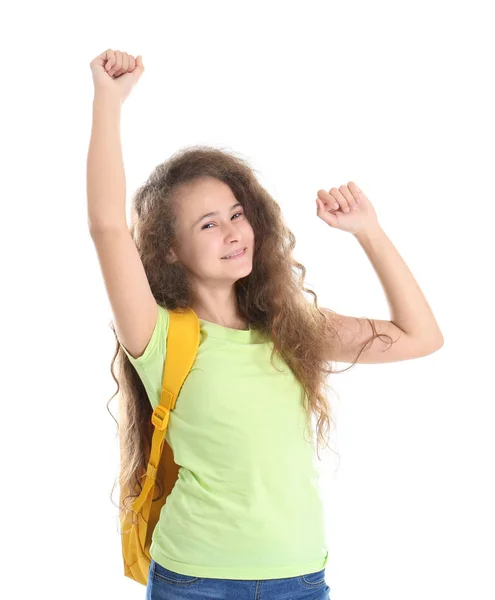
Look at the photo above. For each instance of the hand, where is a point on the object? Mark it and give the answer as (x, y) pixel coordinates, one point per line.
(346, 208)
(116, 73)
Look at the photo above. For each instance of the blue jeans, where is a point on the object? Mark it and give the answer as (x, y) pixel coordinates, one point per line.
(168, 585)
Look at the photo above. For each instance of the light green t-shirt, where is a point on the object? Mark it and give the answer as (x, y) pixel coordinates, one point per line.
(247, 503)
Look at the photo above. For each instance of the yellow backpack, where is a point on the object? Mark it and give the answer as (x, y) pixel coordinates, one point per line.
(182, 345)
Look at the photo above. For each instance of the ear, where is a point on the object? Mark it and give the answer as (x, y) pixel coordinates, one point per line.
(171, 257)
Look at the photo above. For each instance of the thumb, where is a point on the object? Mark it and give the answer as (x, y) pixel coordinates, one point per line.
(326, 216)
(138, 69)
(139, 63)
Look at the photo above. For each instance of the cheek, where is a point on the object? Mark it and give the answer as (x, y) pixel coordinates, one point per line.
(210, 246)
(251, 234)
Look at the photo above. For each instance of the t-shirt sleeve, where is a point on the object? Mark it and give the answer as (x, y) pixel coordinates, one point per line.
(149, 366)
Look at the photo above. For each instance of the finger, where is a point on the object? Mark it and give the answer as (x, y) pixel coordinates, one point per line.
(110, 58)
(125, 62)
(321, 209)
(115, 67)
(118, 64)
(329, 217)
(355, 190)
(348, 196)
(340, 199)
(132, 63)
(120, 61)
(328, 199)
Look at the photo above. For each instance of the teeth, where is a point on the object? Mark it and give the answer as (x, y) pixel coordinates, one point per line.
(236, 254)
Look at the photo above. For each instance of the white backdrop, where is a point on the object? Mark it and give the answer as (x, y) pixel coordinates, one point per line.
(397, 97)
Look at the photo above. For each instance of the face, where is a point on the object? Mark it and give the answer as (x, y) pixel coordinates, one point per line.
(204, 240)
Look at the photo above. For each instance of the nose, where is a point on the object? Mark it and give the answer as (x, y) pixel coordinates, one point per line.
(231, 232)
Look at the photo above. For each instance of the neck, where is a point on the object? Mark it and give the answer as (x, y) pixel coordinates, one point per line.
(233, 322)
(220, 307)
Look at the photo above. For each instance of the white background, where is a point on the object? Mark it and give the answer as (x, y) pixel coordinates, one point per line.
(395, 96)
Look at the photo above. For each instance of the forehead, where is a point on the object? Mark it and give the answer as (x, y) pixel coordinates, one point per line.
(206, 189)
(202, 196)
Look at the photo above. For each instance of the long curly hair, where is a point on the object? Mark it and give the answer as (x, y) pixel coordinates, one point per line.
(271, 298)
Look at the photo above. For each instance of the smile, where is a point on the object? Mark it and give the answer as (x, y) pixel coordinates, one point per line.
(238, 255)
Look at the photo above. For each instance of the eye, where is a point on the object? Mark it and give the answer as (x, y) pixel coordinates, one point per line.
(206, 226)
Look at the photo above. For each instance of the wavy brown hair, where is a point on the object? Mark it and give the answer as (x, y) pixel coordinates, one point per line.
(271, 298)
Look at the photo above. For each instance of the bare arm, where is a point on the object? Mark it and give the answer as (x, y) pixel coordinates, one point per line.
(105, 167)
(133, 304)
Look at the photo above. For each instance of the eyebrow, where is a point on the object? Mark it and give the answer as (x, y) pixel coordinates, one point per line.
(213, 214)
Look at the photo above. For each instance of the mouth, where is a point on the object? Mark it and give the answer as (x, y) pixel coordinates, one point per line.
(239, 254)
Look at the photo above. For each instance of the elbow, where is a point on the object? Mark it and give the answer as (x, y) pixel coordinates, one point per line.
(434, 345)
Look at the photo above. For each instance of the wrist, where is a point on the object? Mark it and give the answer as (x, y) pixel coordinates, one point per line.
(107, 99)
(370, 232)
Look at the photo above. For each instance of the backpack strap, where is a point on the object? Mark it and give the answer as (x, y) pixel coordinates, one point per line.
(182, 346)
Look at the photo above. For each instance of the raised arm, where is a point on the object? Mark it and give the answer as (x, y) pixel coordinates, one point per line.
(133, 305)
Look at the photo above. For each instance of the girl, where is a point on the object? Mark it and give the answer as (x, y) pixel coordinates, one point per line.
(245, 517)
